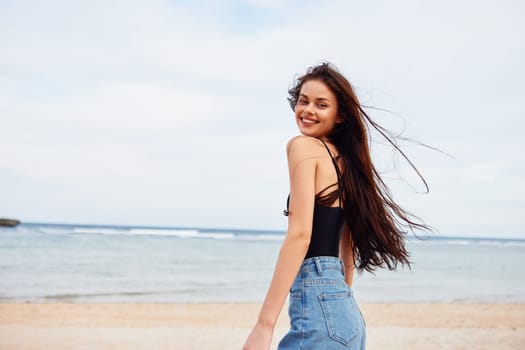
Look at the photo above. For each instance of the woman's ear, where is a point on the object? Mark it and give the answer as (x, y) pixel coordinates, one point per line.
(339, 120)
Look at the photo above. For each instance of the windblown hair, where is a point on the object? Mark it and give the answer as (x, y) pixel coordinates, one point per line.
(376, 224)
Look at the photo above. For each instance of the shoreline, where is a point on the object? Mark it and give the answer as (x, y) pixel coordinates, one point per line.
(226, 325)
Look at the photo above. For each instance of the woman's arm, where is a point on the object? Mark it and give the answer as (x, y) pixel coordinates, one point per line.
(302, 169)
(346, 254)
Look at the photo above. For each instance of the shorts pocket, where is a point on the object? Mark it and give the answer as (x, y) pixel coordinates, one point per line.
(341, 315)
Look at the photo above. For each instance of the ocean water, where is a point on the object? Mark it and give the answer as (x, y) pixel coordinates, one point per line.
(81, 263)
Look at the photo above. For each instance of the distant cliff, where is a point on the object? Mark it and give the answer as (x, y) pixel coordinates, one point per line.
(9, 222)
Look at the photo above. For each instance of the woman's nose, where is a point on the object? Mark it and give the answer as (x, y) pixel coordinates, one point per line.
(309, 108)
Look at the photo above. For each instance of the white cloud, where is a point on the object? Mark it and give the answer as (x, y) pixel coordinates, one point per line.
(178, 107)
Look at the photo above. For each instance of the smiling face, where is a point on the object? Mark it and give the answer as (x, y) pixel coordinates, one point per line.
(316, 109)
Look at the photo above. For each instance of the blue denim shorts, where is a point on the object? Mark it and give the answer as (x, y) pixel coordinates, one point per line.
(323, 312)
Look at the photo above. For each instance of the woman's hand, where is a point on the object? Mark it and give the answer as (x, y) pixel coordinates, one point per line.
(260, 338)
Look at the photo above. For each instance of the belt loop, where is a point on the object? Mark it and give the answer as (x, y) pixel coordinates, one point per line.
(318, 265)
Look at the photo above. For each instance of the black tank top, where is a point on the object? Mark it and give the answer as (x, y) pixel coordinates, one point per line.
(327, 221)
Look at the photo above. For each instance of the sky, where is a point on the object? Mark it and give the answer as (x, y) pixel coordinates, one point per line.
(174, 113)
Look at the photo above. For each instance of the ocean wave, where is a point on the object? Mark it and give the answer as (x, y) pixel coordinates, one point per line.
(51, 230)
(149, 231)
(470, 241)
(504, 243)
(163, 232)
(242, 235)
(100, 231)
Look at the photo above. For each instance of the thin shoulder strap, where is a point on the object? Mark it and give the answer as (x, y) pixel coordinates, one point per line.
(339, 177)
(336, 166)
(339, 180)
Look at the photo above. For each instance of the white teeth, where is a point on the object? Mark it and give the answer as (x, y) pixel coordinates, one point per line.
(308, 121)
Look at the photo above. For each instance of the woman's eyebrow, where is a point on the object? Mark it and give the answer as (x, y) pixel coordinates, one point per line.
(317, 99)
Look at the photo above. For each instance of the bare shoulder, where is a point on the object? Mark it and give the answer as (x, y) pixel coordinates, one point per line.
(299, 146)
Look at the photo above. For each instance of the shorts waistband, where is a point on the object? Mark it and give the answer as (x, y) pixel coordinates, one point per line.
(321, 263)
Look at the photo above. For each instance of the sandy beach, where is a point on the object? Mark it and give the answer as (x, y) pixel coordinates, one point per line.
(224, 326)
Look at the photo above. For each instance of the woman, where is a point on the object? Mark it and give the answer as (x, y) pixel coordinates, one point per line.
(341, 216)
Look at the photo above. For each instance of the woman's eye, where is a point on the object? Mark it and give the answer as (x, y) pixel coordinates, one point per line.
(302, 102)
(323, 105)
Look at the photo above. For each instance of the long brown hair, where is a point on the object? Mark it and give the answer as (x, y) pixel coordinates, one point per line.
(376, 224)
